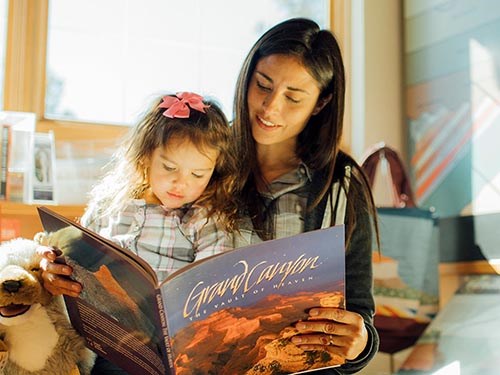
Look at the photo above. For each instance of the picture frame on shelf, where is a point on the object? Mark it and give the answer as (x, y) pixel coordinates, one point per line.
(5, 145)
(18, 129)
(42, 186)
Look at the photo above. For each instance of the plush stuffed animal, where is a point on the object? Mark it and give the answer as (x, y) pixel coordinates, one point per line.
(36, 335)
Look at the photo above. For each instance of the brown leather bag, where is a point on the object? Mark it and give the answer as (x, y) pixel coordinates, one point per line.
(396, 327)
(403, 194)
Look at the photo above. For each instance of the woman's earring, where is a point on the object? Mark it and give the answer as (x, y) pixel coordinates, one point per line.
(321, 104)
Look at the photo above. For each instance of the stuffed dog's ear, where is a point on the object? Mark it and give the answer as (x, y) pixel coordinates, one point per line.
(41, 238)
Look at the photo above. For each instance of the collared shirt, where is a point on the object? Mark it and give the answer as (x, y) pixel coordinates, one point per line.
(167, 239)
(288, 194)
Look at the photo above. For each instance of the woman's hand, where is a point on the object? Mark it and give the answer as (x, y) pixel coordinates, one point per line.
(55, 275)
(337, 331)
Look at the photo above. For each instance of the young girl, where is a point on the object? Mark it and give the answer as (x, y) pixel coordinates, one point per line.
(169, 194)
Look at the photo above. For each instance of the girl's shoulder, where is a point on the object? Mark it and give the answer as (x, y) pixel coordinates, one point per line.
(95, 212)
(195, 214)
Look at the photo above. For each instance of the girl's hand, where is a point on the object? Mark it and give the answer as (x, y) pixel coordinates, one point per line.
(337, 331)
(56, 276)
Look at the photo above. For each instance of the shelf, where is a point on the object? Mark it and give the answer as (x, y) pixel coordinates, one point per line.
(470, 267)
(22, 220)
(14, 208)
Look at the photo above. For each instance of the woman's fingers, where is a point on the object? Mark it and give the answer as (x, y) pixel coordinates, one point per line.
(337, 330)
(324, 326)
(332, 321)
(319, 339)
(338, 315)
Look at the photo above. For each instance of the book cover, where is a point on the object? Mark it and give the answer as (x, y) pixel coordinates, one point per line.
(232, 313)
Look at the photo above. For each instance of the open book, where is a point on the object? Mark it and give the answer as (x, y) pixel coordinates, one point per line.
(232, 313)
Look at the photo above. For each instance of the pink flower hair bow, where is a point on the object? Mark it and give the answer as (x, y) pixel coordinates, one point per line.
(178, 106)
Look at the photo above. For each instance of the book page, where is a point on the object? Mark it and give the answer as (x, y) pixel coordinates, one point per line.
(53, 222)
(110, 335)
(117, 310)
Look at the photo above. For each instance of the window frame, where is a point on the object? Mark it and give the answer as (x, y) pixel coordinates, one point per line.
(25, 66)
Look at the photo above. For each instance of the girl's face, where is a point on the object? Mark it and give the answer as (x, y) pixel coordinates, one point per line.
(179, 172)
(282, 96)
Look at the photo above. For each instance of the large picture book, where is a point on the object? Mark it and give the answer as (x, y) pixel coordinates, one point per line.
(231, 313)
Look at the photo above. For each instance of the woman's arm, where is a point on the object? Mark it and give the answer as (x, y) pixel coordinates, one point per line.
(359, 283)
(349, 333)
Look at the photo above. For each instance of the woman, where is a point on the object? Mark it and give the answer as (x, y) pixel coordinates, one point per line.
(288, 111)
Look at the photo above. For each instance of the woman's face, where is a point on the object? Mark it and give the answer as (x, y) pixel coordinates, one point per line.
(282, 96)
(179, 172)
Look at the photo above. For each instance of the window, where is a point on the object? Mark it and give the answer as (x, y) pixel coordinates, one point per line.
(106, 59)
(3, 39)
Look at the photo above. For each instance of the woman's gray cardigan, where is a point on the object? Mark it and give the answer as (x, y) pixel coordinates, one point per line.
(359, 275)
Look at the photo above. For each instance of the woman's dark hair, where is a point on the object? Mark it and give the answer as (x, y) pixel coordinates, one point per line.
(318, 143)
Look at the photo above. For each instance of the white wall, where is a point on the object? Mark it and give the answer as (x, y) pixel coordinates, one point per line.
(383, 74)
(377, 96)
